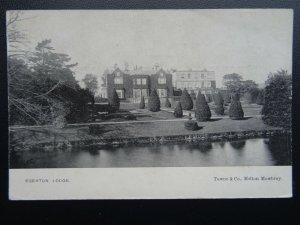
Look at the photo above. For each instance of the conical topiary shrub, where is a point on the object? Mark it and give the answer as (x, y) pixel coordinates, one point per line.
(178, 110)
(167, 103)
(142, 103)
(114, 101)
(235, 110)
(202, 112)
(154, 102)
(260, 100)
(219, 110)
(186, 100)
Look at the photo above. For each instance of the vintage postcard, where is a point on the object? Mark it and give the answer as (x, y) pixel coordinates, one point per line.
(150, 104)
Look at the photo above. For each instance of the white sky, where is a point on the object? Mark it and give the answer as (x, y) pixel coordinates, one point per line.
(249, 42)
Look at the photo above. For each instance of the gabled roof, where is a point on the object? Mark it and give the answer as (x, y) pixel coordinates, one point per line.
(142, 72)
(139, 72)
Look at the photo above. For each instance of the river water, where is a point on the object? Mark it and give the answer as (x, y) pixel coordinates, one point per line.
(251, 152)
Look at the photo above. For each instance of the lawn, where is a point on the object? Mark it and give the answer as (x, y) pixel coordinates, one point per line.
(147, 124)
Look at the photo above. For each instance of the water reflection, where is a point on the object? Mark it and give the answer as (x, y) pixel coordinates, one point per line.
(251, 152)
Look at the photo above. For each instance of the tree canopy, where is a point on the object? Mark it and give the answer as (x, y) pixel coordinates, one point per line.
(91, 83)
(278, 104)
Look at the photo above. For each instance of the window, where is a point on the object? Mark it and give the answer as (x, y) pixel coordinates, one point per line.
(162, 92)
(144, 81)
(118, 80)
(202, 76)
(138, 81)
(145, 92)
(161, 80)
(120, 93)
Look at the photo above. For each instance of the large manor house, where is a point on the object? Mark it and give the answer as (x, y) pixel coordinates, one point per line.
(131, 85)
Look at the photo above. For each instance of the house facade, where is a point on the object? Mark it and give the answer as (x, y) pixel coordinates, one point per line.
(196, 80)
(133, 84)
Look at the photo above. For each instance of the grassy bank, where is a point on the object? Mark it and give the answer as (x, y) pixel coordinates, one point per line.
(22, 139)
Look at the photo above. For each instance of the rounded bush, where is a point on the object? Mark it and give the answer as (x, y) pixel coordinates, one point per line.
(202, 112)
(235, 110)
(154, 102)
(191, 125)
(186, 100)
(167, 103)
(142, 103)
(178, 110)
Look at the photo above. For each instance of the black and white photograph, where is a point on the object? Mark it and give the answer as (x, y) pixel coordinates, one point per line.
(107, 89)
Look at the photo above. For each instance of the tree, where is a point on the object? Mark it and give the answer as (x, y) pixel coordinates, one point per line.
(178, 110)
(41, 87)
(16, 38)
(167, 103)
(186, 100)
(52, 65)
(251, 95)
(154, 102)
(91, 83)
(142, 103)
(235, 110)
(277, 108)
(248, 85)
(260, 100)
(219, 110)
(114, 101)
(202, 112)
(233, 82)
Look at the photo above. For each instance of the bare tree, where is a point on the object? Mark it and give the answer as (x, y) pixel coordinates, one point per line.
(16, 38)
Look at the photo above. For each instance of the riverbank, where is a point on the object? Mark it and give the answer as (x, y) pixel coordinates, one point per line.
(138, 132)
